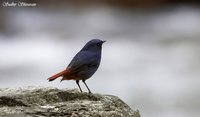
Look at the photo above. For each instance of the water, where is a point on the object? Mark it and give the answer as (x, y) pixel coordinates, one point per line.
(150, 60)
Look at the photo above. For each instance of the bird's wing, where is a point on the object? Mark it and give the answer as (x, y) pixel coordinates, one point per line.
(82, 61)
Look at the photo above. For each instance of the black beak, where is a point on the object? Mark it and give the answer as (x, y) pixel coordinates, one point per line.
(104, 41)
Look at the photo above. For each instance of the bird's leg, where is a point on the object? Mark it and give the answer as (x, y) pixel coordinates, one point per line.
(86, 86)
(77, 82)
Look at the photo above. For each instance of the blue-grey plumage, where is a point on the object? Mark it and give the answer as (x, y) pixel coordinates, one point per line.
(84, 64)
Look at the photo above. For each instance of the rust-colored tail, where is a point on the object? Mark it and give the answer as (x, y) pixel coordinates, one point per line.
(58, 75)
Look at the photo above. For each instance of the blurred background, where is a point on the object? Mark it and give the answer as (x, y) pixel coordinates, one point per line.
(151, 59)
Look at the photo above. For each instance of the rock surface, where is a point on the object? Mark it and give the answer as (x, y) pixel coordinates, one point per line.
(43, 101)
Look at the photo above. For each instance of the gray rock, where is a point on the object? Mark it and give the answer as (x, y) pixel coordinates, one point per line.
(43, 101)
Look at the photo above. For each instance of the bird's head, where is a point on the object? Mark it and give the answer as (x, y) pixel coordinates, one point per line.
(93, 45)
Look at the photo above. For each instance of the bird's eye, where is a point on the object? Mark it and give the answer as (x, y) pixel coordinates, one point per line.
(98, 44)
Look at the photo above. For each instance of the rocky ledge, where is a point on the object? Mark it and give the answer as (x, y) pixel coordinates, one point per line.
(53, 102)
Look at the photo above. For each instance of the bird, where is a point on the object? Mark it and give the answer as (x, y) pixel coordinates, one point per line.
(84, 64)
